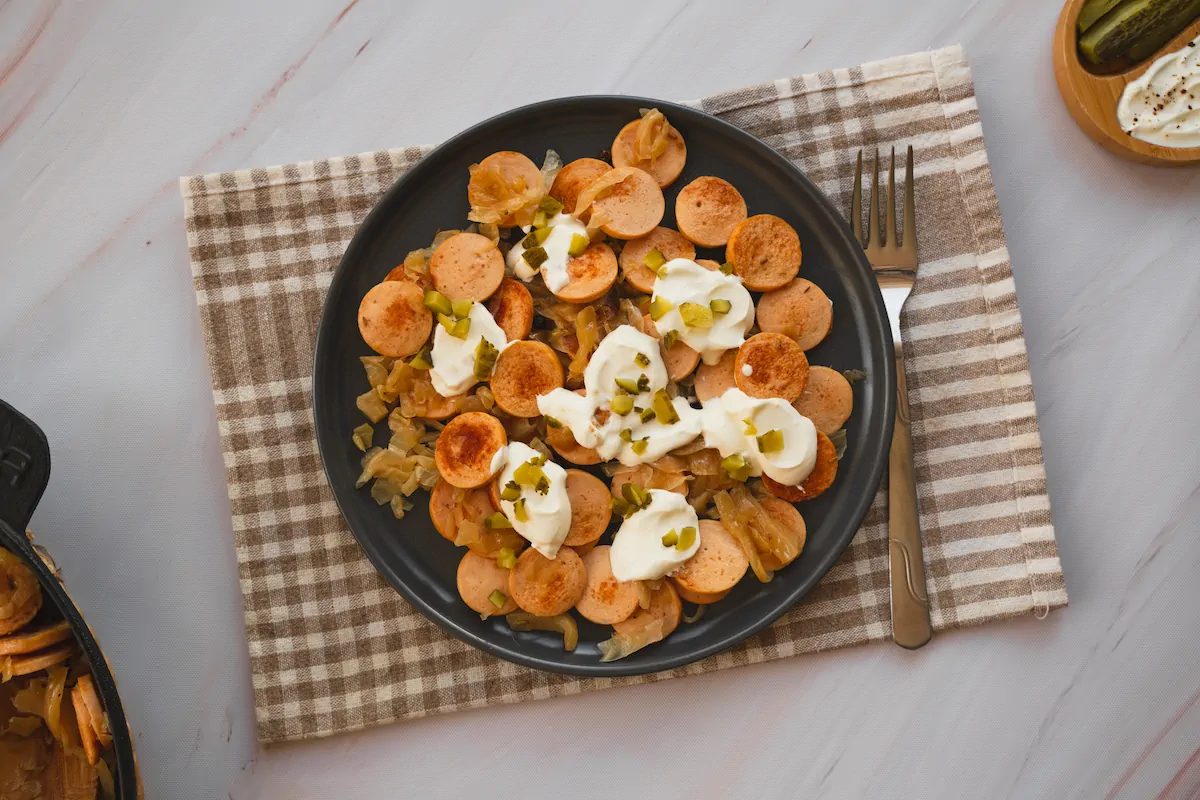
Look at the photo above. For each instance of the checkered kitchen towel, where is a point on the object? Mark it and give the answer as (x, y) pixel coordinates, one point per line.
(333, 648)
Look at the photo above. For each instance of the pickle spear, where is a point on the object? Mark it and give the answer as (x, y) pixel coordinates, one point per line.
(1092, 11)
(1130, 24)
(1150, 45)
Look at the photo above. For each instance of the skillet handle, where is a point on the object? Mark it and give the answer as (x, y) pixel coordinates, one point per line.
(24, 473)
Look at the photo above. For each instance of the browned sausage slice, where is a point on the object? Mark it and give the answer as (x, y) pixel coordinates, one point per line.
(708, 209)
(771, 365)
(573, 178)
(680, 360)
(718, 564)
(478, 578)
(590, 274)
(827, 399)
(591, 508)
(820, 479)
(392, 320)
(547, 587)
(700, 598)
(799, 310)
(563, 442)
(524, 370)
(713, 380)
(605, 600)
(501, 176)
(467, 266)
(465, 448)
(631, 208)
(664, 606)
(670, 243)
(665, 168)
(764, 251)
(512, 308)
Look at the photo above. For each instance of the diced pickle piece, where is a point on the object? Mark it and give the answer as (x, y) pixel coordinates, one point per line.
(669, 339)
(626, 436)
(498, 598)
(627, 384)
(750, 429)
(687, 538)
(437, 302)
(654, 259)
(519, 511)
(552, 422)
(528, 474)
(549, 206)
(720, 306)
(659, 307)
(461, 308)
(642, 360)
(461, 329)
(579, 243)
(670, 538)
(422, 360)
(643, 383)
(635, 495)
(663, 409)
(485, 359)
(622, 404)
(646, 414)
(542, 486)
(770, 442)
(696, 316)
(447, 322)
(535, 257)
(540, 220)
(496, 520)
(639, 446)
(621, 506)
(735, 467)
(506, 558)
(511, 492)
(726, 268)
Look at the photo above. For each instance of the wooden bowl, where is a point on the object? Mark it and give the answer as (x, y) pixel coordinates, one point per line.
(1092, 96)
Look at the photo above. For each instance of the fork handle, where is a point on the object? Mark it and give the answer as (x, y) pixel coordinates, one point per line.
(911, 626)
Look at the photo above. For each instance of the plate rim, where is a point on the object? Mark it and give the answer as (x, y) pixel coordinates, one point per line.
(618, 668)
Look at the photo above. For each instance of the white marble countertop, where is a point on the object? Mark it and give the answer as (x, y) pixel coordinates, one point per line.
(104, 104)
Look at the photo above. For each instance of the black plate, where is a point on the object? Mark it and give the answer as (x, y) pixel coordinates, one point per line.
(421, 564)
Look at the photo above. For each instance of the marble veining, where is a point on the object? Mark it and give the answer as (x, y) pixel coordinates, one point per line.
(103, 104)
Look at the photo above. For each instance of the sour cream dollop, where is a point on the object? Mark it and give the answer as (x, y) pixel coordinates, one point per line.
(617, 356)
(1162, 107)
(688, 282)
(724, 422)
(548, 515)
(563, 228)
(638, 552)
(454, 359)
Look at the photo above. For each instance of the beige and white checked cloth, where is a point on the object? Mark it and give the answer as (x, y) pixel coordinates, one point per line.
(333, 648)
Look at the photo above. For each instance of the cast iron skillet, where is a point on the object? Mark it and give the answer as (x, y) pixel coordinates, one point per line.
(24, 472)
(432, 195)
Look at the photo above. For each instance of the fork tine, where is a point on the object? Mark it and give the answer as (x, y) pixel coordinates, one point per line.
(873, 229)
(910, 209)
(856, 202)
(890, 221)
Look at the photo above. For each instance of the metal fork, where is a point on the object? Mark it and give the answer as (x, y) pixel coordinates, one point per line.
(895, 265)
